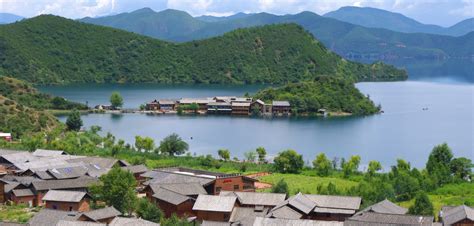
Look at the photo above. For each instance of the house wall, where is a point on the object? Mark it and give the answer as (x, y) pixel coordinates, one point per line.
(29, 200)
(212, 216)
(280, 110)
(181, 210)
(2, 192)
(329, 216)
(81, 206)
(233, 184)
(465, 222)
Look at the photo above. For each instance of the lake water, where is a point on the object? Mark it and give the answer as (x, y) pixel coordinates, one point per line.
(403, 131)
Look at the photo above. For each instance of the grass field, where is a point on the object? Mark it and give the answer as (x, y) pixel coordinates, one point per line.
(16, 213)
(307, 184)
(451, 194)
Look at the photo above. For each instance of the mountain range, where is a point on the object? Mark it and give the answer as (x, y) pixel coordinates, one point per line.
(6, 18)
(351, 41)
(54, 50)
(378, 18)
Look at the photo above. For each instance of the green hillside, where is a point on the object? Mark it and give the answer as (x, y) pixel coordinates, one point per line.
(54, 50)
(21, 108)
(333, 94)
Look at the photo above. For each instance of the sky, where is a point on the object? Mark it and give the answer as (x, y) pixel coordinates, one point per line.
(439, 12)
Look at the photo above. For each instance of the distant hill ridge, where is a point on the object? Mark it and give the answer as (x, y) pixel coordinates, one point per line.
(54, 50)
(378, 18)
(348, 40)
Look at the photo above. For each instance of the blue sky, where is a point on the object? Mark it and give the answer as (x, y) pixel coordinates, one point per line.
(440, 12)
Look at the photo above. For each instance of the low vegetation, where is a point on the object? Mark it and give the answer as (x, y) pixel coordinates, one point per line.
(16, 213)
(335, 95)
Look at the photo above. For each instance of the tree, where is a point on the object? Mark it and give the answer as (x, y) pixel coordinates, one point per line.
(422, 205)
(281, 187)
(289, 161)
(438, 165)
(74, 121)
(374, 166)
(174, 220)
(322, 165)
(351, 166)
(117, 189)
(250, 156)
(461, 167)
(261, 154)
(116, 100)
(224, 154)
(173, 145)
(148, 211)
(148, 144)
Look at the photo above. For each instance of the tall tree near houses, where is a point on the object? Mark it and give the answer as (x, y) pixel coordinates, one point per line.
(74, 121)
(116, 100)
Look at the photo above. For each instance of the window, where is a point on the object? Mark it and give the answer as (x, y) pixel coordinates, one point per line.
(236, 187)
(55, 207)
(218, 189)
(70, 208)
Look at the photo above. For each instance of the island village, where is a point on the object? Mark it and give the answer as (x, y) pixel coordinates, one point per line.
(58, 185)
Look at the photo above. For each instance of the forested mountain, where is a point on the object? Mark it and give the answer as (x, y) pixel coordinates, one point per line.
(348, 40)
(378, 18)
(333, 94)
(6, 18)
(223, 18)
(54, 50)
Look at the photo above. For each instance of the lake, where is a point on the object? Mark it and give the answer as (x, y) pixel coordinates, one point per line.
(403, 131)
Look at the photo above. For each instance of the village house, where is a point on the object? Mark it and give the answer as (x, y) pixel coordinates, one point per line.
(104, 107)
(281, 108)
(384, 206)
(104, 215)
(240, 108)
(212, 182)
(261, 221)
(457, 215)
(6, 136)
(175, 198)
(317, 207)
(214, 208)
(2, 191)
(67, 200)
(22, 196)
(384, 219)
(256, 199)
(40, 188)
(152, 106)
(137, 171)
(219, 108)
(201, 102)
(258, 106)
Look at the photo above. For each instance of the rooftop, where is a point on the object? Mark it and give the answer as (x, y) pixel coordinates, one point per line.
(48, 217)
(281, 103)
(64, 196)
(103, 213)
(256, 198)
(260, 221)
(388, 219)
(385, 206)
(456, 214)
(214, 203)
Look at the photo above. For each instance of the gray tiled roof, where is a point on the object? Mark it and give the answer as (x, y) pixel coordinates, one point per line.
(214, 203)
(49, 217)
(285, 212)
(44, 175)
(98, 161)
(371, 218)
(64, 196)
(170, 196)
(385, 206)
(456, 214)
(260, 221)
(78, 223)
(281, 103)
(10, 186)
(302, 203)
(256, 198)
(215, 223)
(103, 213)
(22, 192)
(68, 172)
(336, 202)
(164, 177)
(246, 215)
(63, 184)
(185, 188)
(48, 153)
(122, 221)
